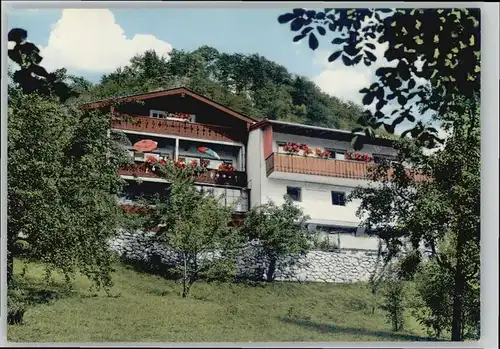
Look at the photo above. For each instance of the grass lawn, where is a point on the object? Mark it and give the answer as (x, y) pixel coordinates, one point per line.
(146, 308)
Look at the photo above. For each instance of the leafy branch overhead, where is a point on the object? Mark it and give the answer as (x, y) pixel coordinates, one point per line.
(31, 76)
(445, 43)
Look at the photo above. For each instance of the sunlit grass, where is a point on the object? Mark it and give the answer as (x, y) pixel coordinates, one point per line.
(146, 308)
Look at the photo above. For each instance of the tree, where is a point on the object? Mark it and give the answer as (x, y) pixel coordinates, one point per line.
(444, 42)
(280, 230)
(434, 200)
(394, 300)
(60, 163)
(196, 226)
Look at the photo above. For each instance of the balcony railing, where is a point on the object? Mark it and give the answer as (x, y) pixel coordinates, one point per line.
(320, 167)
(216, 177)
(178, 128)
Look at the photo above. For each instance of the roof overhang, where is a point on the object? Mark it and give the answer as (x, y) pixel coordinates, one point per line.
(182, 91)
(319, 132)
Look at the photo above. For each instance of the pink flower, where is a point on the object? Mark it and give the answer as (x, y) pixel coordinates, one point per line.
(151, 159)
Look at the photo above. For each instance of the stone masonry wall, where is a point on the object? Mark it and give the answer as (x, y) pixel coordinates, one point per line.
(343, 266)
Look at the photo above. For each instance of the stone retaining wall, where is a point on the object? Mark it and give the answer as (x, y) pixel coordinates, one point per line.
(343, 266)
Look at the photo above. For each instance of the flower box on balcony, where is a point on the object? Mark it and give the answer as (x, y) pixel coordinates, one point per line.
(178, 119)
(359, 157)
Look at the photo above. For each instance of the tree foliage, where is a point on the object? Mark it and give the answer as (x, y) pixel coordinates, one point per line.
(63, 177)
(438, 46)
(394, 303)
(440, 213)
(197, 227)
(280, 230)
(61, 186)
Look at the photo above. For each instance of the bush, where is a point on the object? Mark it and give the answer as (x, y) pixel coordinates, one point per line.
(393, 302)
(325, 244)
(433, 302)
(16, 306)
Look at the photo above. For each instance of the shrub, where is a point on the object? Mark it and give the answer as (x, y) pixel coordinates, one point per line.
(325, 244)
(433, 303)
(16, 306)
(393, 302)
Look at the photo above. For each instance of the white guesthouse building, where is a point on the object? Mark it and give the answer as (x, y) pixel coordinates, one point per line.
(315, 166)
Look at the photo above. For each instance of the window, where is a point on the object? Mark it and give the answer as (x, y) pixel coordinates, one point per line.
(338, 198)
(214, 164)
(206, 190)
(189, 160)
(343, 230)
(156, 156)
(294, 193)
(232, 196)
(336, 154)
(139, 156)
(157, 114)
(281, 147)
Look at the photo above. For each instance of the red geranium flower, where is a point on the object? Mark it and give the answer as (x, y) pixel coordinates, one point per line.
(151, 159)
(292, 147)
(226, 168)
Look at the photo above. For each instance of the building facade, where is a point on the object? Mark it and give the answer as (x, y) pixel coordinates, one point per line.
(318, 168)
(186, 127)
(315, 166)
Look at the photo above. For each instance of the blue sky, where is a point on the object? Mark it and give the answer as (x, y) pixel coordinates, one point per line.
(92, 42)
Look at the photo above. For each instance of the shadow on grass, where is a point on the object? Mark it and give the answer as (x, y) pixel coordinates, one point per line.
(39, 292)
(326, 328)
(154, 266)
(25, 293)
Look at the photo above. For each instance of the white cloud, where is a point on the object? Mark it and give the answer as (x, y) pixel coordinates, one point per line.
(345, 82)
(91, 40)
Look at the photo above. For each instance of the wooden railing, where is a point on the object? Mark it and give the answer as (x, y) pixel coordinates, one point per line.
(177, 128)
(319, 167)
(232, 179)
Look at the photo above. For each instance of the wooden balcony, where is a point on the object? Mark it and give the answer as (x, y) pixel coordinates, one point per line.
(215, 177)
(319, 167)
(178, 128)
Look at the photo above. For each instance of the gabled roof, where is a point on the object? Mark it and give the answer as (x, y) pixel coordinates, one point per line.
(170, 92)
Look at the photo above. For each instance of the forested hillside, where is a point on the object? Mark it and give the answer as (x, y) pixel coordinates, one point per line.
(250, 84)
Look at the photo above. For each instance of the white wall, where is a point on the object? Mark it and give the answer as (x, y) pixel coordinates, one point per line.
(316, 199)
(256, 170)
(314, 143)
